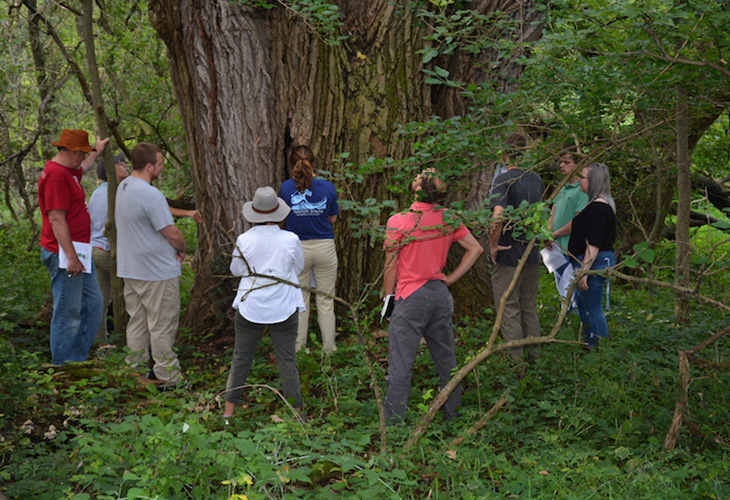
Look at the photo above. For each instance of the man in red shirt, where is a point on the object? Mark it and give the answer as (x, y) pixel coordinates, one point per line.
(77, 303)
(417, 243)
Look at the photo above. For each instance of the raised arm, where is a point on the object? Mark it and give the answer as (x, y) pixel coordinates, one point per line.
(193, 214)
(90, 160)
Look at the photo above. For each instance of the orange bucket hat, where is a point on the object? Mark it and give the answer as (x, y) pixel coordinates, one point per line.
(74, 140)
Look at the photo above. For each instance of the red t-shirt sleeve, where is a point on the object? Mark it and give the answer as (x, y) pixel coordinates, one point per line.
(56, 195)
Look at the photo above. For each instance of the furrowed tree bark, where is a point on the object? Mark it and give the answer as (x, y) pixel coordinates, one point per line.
(251, 82)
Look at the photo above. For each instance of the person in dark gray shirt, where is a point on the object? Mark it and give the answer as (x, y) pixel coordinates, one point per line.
(511, 188)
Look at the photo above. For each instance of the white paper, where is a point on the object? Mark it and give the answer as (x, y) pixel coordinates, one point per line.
(387, 301)
(552, 258)
(565, 280)
(83, 251)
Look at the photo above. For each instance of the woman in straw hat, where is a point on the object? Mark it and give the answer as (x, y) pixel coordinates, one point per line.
(262, 254)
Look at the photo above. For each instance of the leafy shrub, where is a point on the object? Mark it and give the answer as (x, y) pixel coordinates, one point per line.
(23, 277)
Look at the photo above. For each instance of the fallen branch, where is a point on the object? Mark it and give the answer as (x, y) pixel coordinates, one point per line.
(293, 410)
(691, 293)
(491, 348)
(684, 359)
(682, 394)
(482, 421)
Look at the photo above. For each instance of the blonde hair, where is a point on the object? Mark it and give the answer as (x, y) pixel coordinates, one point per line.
(599, 184)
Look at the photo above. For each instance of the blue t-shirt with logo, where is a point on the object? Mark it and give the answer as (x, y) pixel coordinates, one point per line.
(311, 210)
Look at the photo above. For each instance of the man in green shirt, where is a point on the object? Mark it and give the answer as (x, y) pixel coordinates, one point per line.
(568, 203)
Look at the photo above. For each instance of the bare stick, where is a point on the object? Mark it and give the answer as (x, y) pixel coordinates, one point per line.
(685, 357)
(275, 391)
(682, 393)
(482, 421)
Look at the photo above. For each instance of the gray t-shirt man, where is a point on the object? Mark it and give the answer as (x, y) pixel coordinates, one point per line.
(150, 248)
(143, 253)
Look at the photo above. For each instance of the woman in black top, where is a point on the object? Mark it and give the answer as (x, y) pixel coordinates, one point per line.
(591, 246)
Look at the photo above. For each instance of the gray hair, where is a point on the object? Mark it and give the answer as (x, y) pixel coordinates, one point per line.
(599, 184)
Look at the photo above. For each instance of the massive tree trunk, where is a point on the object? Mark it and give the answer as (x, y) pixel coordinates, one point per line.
(251, 82)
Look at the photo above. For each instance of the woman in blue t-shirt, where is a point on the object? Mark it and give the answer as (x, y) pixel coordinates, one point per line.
(591, 245)
(314, 211)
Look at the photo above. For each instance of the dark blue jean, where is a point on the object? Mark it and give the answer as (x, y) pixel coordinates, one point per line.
(77, 311)
(590, 302)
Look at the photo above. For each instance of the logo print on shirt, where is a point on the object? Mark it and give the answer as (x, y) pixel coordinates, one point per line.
(302, 206)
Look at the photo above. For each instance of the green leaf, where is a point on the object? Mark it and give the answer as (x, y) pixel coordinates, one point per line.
(429, 55)
(630, 262)
(135, 493)
(647, 255)
(441, 72)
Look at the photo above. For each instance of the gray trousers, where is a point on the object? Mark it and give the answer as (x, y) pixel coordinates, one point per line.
(283, 338)
(427, 313)
(520, 319)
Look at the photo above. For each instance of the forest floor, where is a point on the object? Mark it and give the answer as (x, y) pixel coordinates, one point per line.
(576, 425)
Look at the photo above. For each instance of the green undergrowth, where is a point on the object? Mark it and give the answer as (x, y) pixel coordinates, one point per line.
(23, 278)
(576, 426)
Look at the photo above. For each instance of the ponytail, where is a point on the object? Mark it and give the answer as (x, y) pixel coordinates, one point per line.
(302, 172)
(301, 167)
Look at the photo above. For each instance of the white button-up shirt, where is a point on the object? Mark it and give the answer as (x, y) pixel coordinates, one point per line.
(270, 251)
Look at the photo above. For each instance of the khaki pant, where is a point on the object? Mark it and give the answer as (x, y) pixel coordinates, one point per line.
(154, 311)
(520, 319)
(320, 258)
(102, 261)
